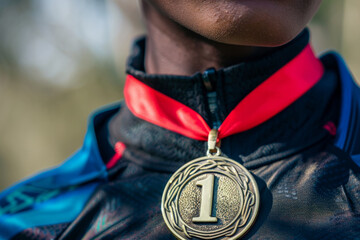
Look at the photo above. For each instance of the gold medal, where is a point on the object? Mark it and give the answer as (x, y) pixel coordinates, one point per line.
(211, 197)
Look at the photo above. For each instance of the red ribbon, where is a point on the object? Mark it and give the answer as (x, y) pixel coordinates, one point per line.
(271, 97)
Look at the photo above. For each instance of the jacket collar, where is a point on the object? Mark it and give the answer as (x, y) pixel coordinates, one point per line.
(345, 138)
(231, 84)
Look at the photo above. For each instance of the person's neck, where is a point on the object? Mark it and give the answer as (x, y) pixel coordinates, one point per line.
(173, 49)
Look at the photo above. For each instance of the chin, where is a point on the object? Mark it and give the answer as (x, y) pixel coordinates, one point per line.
(266, 37)
(249, 28)
(267, 23)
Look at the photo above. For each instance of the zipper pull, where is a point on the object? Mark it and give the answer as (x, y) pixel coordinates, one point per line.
(207, 79)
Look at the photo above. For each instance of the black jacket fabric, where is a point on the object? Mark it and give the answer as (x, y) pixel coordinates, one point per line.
(309, 187)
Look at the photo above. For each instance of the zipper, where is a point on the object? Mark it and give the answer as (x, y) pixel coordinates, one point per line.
(209, 79)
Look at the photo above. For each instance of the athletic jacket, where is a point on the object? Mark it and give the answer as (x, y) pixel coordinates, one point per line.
(309, 183)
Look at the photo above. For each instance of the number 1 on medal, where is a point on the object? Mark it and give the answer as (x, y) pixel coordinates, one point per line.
(207, 194)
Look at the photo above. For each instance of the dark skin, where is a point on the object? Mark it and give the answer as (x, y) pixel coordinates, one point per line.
(189, 36)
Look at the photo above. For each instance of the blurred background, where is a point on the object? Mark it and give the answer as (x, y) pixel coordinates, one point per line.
(61, 59)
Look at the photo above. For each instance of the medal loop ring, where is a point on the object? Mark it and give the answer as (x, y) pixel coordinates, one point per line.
(211, 152)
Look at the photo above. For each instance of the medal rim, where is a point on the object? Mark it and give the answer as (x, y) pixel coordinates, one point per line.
(248, 174)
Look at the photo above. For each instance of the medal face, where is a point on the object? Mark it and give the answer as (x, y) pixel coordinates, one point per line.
(210, 198)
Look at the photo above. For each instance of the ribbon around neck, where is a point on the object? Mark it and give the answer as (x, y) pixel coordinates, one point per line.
(271, 97)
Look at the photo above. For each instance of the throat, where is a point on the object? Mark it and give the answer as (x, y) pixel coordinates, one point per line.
(182, 54)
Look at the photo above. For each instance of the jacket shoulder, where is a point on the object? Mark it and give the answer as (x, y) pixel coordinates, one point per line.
(50, 200)
(348, 129)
